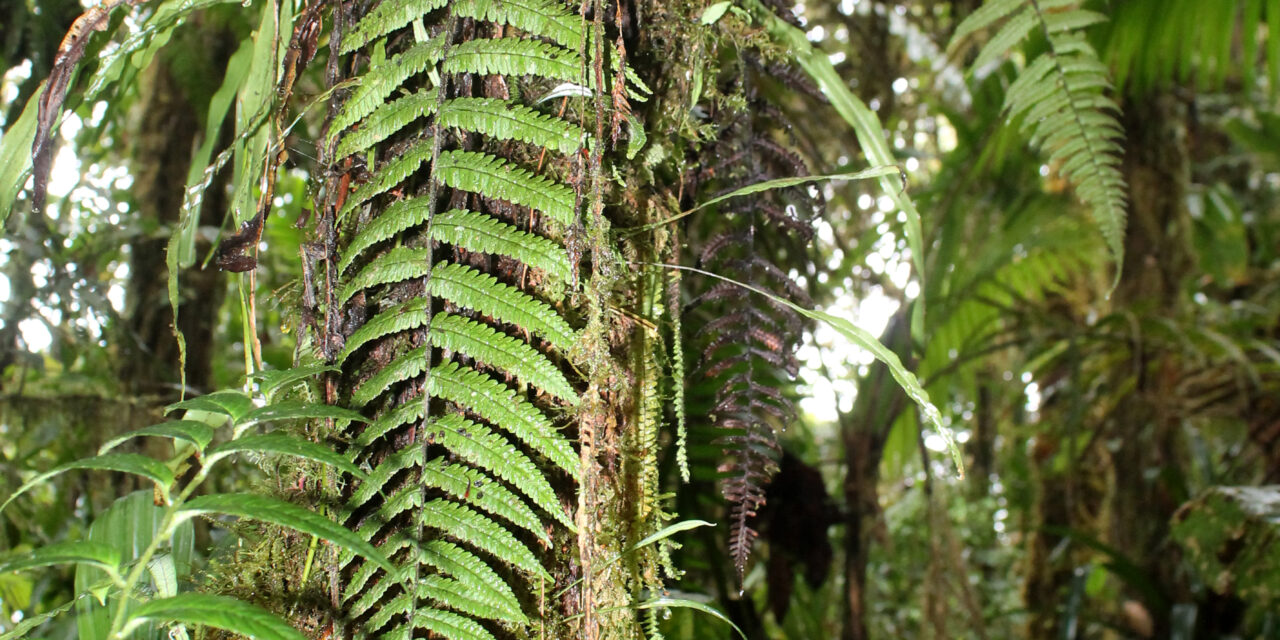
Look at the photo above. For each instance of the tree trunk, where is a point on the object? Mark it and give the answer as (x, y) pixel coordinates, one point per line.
(166, 137)
(879, 402)
(1158, 260)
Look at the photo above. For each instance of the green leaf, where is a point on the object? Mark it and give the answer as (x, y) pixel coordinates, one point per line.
(471, 527)
(229, 403)
(130, 525)
(782, 183)
(482, 233)
(285, 514)
(124, 462)
(88, 553)
(862, 338)
(515, 57)
(29, 623)
(713, 13)
(665, 602)
(15, 153)
(297, 410)
(220, 612)
(282, 444)
(510, 120)
(197, 433)
(496, 178)
(542, 18)
(273, 381)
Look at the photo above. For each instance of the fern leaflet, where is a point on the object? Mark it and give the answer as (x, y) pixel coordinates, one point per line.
(1060, 99)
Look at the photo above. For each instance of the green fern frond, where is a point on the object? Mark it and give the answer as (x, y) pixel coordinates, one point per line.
(496, 178)
(469, 338)
(502, 352)
(384, 611)
(476, 444)
(401, 215)
(499, 405)
(359, 582)
(540, 18)
(472, 486)
(677, 378)
(386, 120)
(1060, 98)
(461, 597)
(405, 367)
(383, 79)
(377, 480)
(392, 174)
(385, 18)
(465, 567)
(515, 57)
(450, 625)
(396, 265)
(471, 289)
(508, 120)
(472, 528)
(482, 233)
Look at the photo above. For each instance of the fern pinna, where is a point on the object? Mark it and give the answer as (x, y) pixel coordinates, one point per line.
(455, 199)
(746, 345)
(1061, 99)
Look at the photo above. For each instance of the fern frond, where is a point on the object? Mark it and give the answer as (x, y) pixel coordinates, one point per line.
(471, 528)
(476, 444)
(385, 18)
(383, 79)
(500, 406)
(470, 338)
(471, 289)
(405, 367)
(473, 487)
(462, 597)
(396, 265)
(541, 18)
(386, 120)
(408, 315)
(496, 178)
(515, 57)
(1060, 98)
(401, 215)
(392, 174)
(502, 352)
(468, 569)
(508, 120)
(481, 233)
(450, 625)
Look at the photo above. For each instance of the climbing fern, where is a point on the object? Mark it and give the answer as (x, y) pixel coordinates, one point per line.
(1061, 99)
(451, 287)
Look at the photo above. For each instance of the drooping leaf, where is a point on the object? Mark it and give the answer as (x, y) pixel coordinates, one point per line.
(283, 444)
(220, 612)
(285, 514)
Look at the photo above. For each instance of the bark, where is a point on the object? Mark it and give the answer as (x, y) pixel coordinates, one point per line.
(1158, 260)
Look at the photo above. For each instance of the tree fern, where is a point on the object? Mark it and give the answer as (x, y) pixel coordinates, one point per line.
(1061, 101)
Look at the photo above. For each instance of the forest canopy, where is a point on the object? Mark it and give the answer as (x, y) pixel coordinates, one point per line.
(502, 319)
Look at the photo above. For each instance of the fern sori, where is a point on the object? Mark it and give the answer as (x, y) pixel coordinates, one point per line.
(451, 274)
(1061, 100)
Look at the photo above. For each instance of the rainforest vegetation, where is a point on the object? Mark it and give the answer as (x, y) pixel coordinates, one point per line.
(633, 319)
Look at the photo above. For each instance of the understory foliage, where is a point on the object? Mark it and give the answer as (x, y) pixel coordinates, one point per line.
(556, 271)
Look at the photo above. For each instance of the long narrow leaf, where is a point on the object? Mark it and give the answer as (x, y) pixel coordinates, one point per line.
(288, 445)
(285, 514)
(124, 462)
(221, 612)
